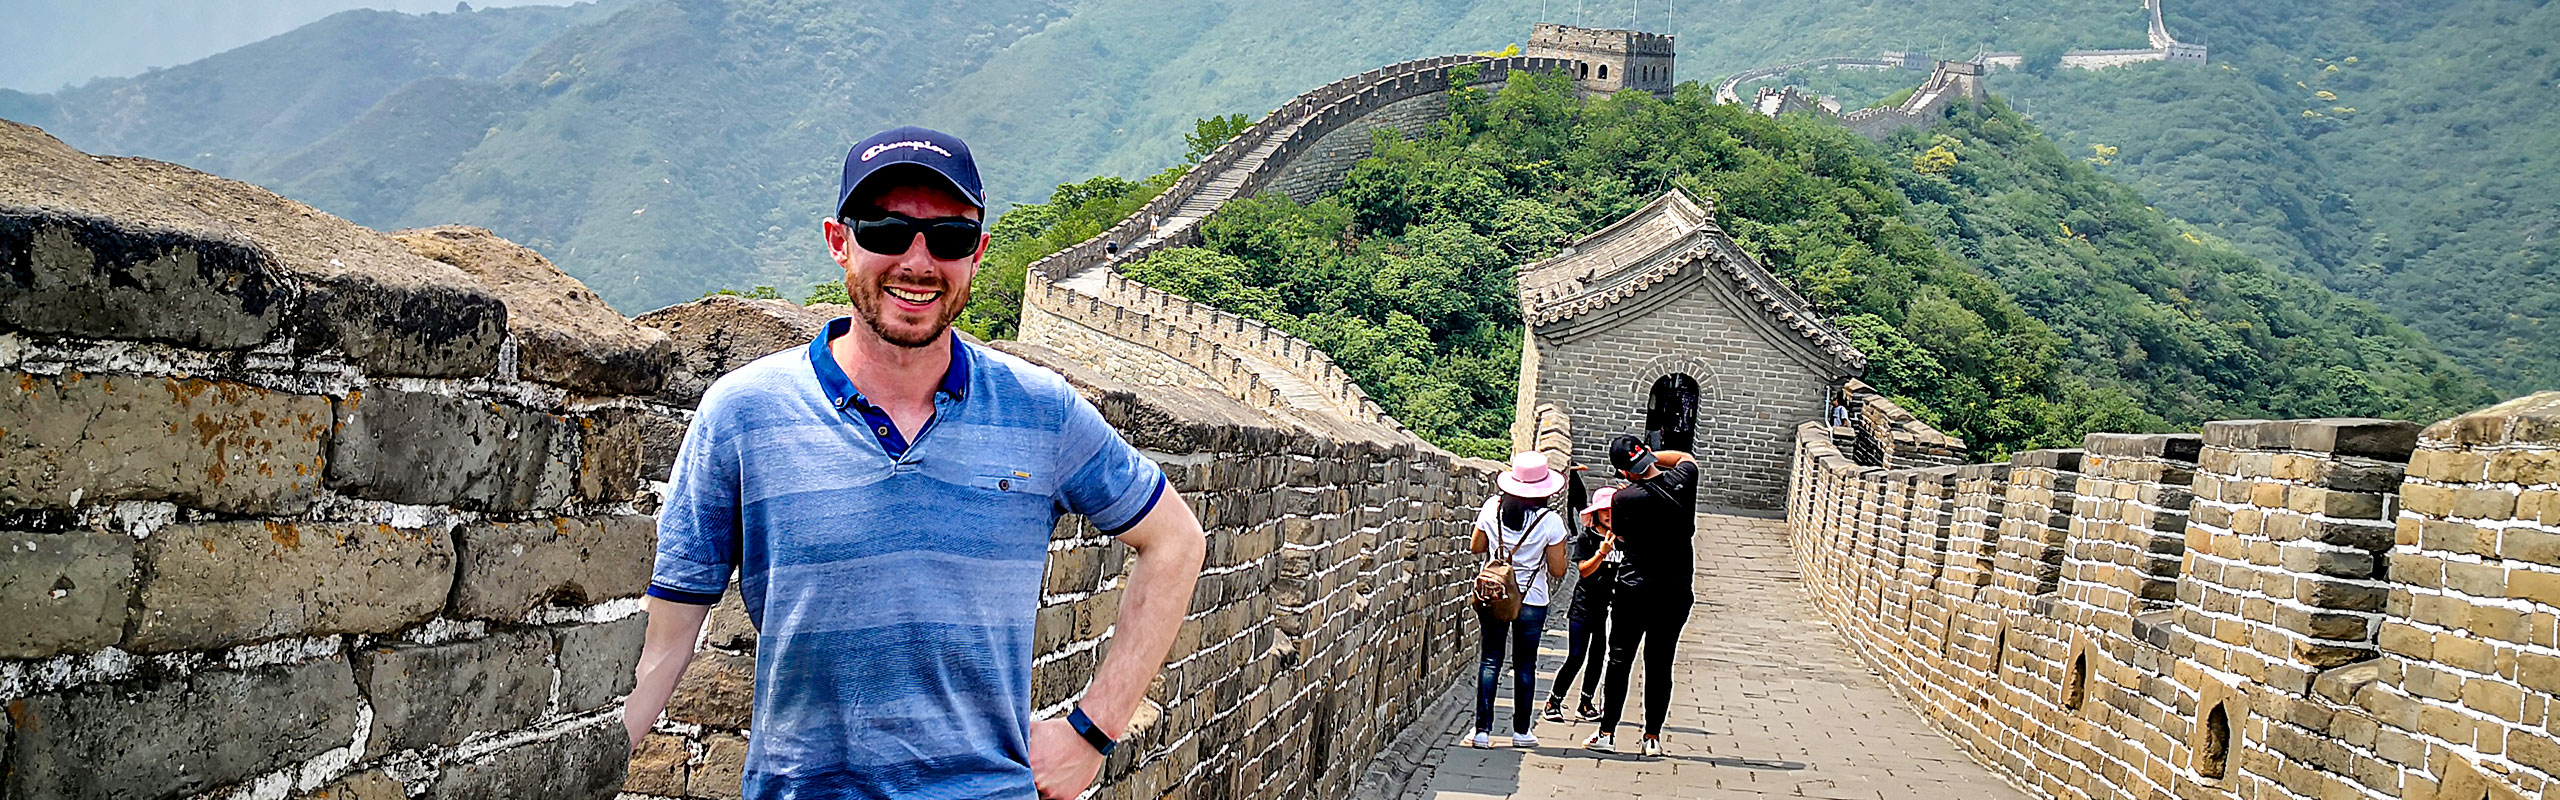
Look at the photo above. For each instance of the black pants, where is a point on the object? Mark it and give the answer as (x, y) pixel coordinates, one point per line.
(1653, 621)
(1588, 637)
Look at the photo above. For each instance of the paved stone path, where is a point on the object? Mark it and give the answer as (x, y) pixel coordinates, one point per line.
(1767, 701)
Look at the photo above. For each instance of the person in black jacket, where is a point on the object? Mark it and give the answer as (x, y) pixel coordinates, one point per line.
(1596, 558)
(1655, 517)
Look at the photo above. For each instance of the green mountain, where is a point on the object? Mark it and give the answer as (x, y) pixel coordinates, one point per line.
(657, 148)
(2002, 289)
(2402, 155)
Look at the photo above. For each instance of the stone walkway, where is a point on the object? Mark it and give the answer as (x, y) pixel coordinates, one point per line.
(1766, 702)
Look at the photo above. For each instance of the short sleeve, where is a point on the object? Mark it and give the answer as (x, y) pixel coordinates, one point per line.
(1556, 531)
(1106, 479)
(698, 527)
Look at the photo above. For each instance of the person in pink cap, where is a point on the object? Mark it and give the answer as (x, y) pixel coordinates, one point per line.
(1517, 524)
(1596, 559)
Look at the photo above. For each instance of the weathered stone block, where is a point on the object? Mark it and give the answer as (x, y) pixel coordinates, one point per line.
(714, 335)
(63, 592)
(441, 694)
(510, 568)
(215, 445)
(729, 627)
(565, 335)
(432, 449)
(79, 275)
(657, 767)
(596, 661)
(723, 771)
(614, 453)
(580, 763)
(226, 583)
(360, 294)
(718, 689)
(177, 737)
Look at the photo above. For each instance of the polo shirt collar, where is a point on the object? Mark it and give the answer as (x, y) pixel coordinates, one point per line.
(839, 388)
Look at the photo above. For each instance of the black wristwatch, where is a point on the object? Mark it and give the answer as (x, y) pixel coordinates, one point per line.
(1092, 733)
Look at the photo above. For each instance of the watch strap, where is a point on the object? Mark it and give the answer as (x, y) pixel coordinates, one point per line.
(1092, 733)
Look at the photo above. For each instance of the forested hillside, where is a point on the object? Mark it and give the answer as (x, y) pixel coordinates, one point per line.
(2400, 154)
(2001, 288)
(658, 148)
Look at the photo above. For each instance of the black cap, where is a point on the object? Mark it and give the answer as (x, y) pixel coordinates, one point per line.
(1629, 454)
(940, 154)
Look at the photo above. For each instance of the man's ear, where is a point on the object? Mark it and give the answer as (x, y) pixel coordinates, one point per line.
(838, 238)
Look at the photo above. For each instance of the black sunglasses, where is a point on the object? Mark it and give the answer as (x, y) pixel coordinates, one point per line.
(947, 238)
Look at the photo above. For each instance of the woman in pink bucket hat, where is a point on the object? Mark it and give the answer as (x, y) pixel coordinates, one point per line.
(1517, 525)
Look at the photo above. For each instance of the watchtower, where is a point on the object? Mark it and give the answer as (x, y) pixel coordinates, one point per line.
(1607, 60)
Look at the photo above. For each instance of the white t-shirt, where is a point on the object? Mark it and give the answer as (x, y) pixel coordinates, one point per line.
(1529, 559)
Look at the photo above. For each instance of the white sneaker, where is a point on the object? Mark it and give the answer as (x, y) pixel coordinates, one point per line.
(1601, 742)
(1524, 740)
(1652, 747)
(1479, 740)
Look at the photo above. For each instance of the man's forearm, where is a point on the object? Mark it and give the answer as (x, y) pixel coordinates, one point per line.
(1169, 549)
(666, 648)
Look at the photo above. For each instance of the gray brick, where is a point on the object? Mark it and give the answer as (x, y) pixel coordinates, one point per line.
(510, 568)
(214, 445)
(226, 583)
(63, 592)
(177, 737)
(442, 694)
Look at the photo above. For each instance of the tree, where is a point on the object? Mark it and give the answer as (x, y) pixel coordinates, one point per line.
(1209, 132)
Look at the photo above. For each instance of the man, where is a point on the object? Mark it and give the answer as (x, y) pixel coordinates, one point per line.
(1654, 516)
(886, 496)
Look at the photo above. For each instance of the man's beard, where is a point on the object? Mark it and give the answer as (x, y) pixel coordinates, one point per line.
(866, 299)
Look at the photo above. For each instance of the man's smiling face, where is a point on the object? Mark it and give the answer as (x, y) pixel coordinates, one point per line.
(908, 299)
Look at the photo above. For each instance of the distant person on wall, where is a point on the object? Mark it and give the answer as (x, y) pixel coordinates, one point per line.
(1840, 409)
(1526, 542)
(1596, 559)
(885, 496)
(1655, 517)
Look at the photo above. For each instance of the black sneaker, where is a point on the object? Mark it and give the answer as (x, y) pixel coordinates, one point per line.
(1555, 710)
(1588, 712)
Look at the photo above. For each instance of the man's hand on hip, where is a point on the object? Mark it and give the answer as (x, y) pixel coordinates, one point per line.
(1062, 762)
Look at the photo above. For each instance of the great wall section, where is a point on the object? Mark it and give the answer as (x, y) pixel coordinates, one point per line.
(1947, 82)
(295, 509)
(2274, 609)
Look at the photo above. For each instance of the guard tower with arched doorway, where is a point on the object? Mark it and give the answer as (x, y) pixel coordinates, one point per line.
(1658, 325)
(1606, 60)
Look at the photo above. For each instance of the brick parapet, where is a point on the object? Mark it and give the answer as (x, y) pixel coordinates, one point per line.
(239, 564)
(2267, 670)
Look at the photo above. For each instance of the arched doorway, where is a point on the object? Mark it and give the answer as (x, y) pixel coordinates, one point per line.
(1671, 413)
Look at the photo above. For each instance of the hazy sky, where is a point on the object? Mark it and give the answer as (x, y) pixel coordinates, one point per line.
(45, 44)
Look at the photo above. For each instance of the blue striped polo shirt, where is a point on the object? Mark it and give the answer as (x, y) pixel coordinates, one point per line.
(894, 585)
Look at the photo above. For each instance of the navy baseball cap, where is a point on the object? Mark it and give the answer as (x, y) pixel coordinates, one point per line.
(939, 153)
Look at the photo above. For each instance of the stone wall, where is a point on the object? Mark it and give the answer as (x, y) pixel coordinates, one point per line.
(2293, 609)
(1951, 82)
(291, 508)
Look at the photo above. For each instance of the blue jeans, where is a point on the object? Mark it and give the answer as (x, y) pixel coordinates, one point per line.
(1523, 634)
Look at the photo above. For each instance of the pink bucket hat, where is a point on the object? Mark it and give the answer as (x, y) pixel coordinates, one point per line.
(1600, 500)
(1530, 477)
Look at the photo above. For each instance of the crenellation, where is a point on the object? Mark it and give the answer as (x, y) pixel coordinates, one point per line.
(2336, 622)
